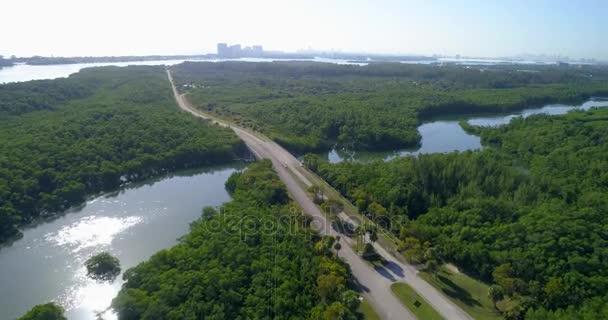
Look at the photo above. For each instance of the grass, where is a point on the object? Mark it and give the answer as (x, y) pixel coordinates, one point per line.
(367, 312)
(469, 294)
(415, 303)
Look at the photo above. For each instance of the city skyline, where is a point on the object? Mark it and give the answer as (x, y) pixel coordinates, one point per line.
(236, 50)
(320, 52)
(414, 27)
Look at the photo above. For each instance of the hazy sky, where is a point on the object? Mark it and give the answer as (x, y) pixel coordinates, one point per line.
(576, 28)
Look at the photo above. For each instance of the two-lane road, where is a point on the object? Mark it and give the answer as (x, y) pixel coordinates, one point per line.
(375, 282)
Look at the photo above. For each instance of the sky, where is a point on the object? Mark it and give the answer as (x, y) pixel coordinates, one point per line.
(480, 28)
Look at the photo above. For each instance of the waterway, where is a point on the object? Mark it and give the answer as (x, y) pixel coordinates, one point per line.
(24, 72)
(442, 135)
(133, 223)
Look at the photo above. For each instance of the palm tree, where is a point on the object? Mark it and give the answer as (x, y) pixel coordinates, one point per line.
(337, 246)
(360, 234)
(373, 234)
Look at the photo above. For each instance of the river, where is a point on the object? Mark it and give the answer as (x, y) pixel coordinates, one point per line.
(446, 135)
(24, 72)
(132, 223)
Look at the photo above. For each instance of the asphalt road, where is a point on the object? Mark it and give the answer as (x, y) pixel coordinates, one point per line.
(375, 282)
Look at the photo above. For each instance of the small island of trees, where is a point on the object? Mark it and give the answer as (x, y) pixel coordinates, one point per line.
(103, 267)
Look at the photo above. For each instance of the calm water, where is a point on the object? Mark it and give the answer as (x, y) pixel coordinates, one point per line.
(132, 223)
(442, 136)
(24, 72)
(477, 62)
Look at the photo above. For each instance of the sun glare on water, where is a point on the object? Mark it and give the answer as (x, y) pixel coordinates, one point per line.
(82, 239)
(92, 231)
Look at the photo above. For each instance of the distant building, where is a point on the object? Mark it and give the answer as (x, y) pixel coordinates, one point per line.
(235, 51)
(222, 50)
(257, 51)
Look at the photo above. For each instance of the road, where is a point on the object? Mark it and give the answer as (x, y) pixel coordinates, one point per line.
(375, 282)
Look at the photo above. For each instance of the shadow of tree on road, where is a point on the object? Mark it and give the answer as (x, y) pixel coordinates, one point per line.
(394, 268)
(359, 287)
(385, 273)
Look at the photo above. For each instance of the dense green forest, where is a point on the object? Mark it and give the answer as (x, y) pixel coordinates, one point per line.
(593, 309)
(48, 311)
(309, 106)
(64, 139)
(527, 213)
(25, 97)
(253, 258)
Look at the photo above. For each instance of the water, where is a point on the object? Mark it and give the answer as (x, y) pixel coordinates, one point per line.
(478, 62)
(47, 264)
(24, 72)
(552, 109)
(446, 135)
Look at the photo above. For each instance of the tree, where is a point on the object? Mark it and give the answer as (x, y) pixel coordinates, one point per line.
(413, 250)
(103, 267)
(208, 213)
(361, 204)
(360, 198)
(495, 293)
(317, 193)
(514, 312)
(360, 234)
(311, 161)
(328, 285)
(504, 277)
(350, 299)
(337, 246)
(49, 311)
(231, 182)
(320, 247)
(325, 245)
(335, 311)
(332, 208)
(432, 266)
(376, 211)
(556, 292)
(373, 234)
